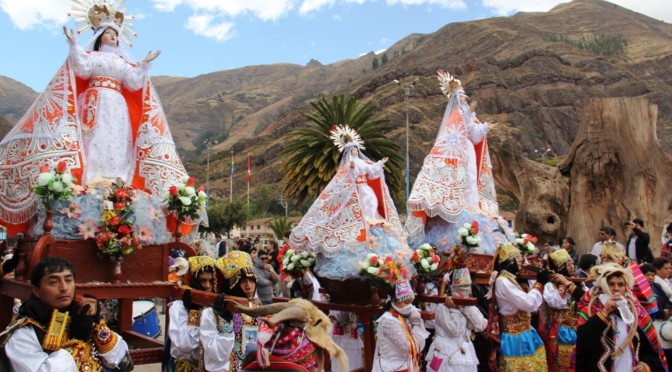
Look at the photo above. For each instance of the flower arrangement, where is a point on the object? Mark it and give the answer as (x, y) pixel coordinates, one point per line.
(116, 238)
(54, 184)
(457, 257)
(469, 235)
(186, 201)
(426, 260)
(526, 242)
(389, 270)
(295, 263)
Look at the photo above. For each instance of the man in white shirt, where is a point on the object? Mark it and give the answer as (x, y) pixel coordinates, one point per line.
(607, 233)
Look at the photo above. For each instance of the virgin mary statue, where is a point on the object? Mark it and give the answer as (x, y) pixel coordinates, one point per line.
(455, 185)
(353, 216)
(99, 114)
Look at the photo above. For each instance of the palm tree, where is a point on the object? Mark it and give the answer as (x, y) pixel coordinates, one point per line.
(280, 225)
(312, 158)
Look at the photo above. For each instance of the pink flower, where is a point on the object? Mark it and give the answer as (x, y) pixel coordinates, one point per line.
(87, 230)
(61, 167)
(72, 211)
(145, 234)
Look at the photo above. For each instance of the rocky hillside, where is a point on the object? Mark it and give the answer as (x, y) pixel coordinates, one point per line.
(529, 72)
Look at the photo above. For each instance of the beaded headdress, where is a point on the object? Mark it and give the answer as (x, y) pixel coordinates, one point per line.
(403, 291)
(94, 14)
(198, 263)
(505, 252)
(560, 257)
(235, 266)
(343, 135)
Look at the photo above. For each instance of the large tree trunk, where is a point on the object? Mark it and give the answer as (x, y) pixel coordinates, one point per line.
(615, 171)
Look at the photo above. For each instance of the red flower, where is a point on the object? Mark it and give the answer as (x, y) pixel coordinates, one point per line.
(61, 167)
(114, 221)
(374, 261)
(44, 169)
(333, 128)
(415, 257)
(200, 188)
(474, 227)
(121, 193)
(435, 259)
(77, 174)
(125, 230)
(119, 206)
(173, 191)
(388, 259)
(191, 181)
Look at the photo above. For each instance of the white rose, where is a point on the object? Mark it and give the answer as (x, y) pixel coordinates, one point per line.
(294, 258)
(424, 263)
(463, 232)
(185, 200)
(372, 270)
(44, 178)
(202, 194)
(290, 252)
(365, 265)
(66, 178)
(190, 190)
(290, 267)
(425, 246)
(472, 240)
(285, 262)
(304, 254)
(305, 263)
(56, 186)
(434, 266)
(466, 225)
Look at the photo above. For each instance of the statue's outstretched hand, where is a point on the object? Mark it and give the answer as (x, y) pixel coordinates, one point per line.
(70, 35)
(151, 56)
(384, 160)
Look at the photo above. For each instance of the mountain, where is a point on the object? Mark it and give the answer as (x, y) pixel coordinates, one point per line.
(15, 98)
(529, 72)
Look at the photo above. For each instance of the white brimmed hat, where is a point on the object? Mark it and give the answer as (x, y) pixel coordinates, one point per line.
(181, 266)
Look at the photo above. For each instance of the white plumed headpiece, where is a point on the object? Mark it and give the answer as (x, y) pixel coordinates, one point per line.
(444, 82)
(341, 135)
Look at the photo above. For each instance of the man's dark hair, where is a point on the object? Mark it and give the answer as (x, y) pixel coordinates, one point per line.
(647, 268)
(587, 261)
(571, 241)
(669, 228)
(638, 221)
(47, 266)
(659, 262)
(609, 230)
(287, 234)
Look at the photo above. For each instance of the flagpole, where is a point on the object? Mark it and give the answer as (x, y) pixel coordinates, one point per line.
(231, 191)
(249, 175)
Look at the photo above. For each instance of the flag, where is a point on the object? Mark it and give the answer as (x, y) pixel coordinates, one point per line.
(249, 168)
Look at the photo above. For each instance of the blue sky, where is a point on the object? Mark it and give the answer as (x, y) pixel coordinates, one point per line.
(202, 36)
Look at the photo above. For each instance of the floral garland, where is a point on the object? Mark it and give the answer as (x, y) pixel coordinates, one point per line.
(54, 184)
(526, 242)
(116, 238)
(389, 270)
(295, 263)
(469, 235)
(427, 261)
(457, 257)
(186, 201)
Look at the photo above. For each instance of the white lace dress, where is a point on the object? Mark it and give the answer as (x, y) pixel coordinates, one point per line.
(108, 143)
(367, 197)
(452, 342)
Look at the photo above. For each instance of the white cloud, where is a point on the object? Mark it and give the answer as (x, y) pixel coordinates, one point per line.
(380, 51)
(26, 15)
(266, 10)
(452, 4)
(657, 9)
(205, 25)
(308, 6)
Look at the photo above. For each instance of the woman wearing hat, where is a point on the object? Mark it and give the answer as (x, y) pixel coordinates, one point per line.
(401, 333)
(561, 297)
(521, 348)
(185, 316)
(227, 337)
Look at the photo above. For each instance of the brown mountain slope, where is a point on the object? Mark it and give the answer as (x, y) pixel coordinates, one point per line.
(15, 98)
